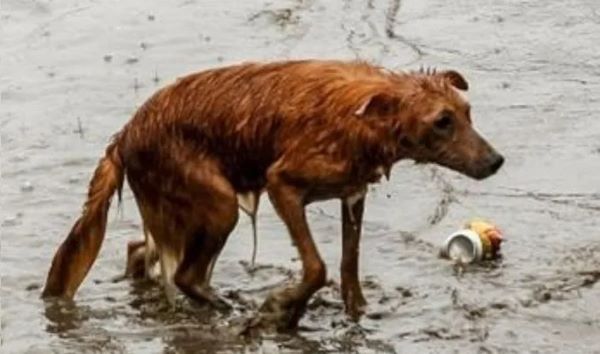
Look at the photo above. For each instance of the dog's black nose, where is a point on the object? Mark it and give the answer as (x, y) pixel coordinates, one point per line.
(496, 162)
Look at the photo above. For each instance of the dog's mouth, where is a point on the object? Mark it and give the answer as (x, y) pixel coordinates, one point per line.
(479, 170)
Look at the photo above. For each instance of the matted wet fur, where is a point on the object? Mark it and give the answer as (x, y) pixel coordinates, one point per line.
(300, 130)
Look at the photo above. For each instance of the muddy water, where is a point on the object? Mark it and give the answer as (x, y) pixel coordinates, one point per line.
(72, 72)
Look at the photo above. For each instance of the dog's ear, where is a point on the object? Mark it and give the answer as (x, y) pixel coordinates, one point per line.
(455, 79)
(380, 104)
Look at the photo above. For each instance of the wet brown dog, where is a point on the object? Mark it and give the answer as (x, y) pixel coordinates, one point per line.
(302, 131)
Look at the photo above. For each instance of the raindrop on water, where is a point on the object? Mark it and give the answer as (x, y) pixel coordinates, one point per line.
(26, 187)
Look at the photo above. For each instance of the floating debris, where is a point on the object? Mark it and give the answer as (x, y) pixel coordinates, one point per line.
(479, 240)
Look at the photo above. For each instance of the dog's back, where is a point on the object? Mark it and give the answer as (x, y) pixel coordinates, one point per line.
(248, 114)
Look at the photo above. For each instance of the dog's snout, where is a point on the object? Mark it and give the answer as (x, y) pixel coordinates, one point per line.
(496, 162)
(488, 166)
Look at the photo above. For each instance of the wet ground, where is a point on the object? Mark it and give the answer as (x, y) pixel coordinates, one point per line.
(72, 73)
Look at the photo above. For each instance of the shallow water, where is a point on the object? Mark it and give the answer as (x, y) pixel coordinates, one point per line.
(74, 71)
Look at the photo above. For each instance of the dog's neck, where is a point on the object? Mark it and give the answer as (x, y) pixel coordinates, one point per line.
(381, 148)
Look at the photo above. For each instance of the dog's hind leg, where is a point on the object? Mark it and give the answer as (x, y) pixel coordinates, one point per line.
(151, 261)
(189, 208)
(161, 245)
(136, 251)
(248, 202)
(168, 267)
(142, 258)
(215, 214)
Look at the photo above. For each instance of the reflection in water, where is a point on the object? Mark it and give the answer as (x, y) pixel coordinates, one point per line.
(191, 328)
(63, 316)
(72, 324)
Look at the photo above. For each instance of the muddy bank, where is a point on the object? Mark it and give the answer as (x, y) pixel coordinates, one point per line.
(72, 72)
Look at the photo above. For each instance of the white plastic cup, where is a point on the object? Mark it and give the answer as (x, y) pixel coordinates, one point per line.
(463, 246)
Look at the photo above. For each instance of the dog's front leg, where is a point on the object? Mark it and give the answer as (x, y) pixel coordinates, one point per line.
(352, 214)
(285, 307)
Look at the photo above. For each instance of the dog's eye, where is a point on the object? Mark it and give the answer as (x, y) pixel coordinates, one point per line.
(444, 123)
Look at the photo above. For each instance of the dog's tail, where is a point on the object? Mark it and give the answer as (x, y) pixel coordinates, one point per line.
(77, 253)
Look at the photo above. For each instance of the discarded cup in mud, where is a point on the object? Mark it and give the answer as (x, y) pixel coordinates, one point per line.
(479, 240)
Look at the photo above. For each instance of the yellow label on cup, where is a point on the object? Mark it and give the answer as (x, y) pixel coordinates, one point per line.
(488, 233)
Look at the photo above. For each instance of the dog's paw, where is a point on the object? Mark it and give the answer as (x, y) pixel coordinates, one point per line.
(281, 310)
(355, 303)
(356, 310)
(217, 301)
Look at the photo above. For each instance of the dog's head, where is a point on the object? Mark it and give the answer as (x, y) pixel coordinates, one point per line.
(430, 120)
